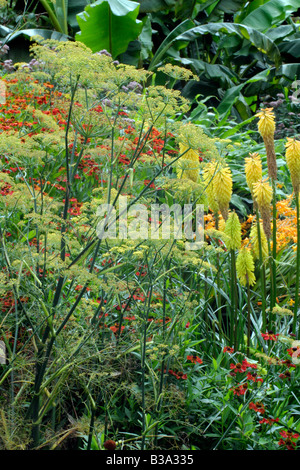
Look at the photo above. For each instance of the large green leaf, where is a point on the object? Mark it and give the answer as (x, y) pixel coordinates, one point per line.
(169, 40)
(58, 12)
(74, 8)
(226, 80)
(139, 49)
(132, 55)
(110, 25)
(230, 6)
(284, 75)
(218, 72)
(151, 6)
(271, 13)
(229, 100)
(61, 10)
(205, 4)
(184, 8)
(4, 30)
(256, 38)
(291, 47)
(251, 6)
(145, 38)
(234, 94)
(289, 72)
(280, 32)
(224, 83)
(215, 10)
(44, 33)
(20, 42)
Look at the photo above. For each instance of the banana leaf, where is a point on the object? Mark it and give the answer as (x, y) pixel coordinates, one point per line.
(269, 14)
(110, 25)
(256, 38)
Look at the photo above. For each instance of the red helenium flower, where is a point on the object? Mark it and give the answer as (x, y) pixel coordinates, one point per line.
(258, 407)
(270, 336)
(195, 359)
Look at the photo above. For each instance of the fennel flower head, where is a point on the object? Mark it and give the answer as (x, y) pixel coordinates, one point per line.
(233, 232)
(253, 169)
(188, 165)
(292, 156)
(266, 128)
(245, 267)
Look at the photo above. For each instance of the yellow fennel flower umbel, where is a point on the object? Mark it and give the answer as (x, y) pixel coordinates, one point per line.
(209, 173)
(292, 156)
(245, 267)
(233, 232)
(253, 169)
(188, 165)
(222, 188)
(254, 240)
(266, 128)
(263, 195)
